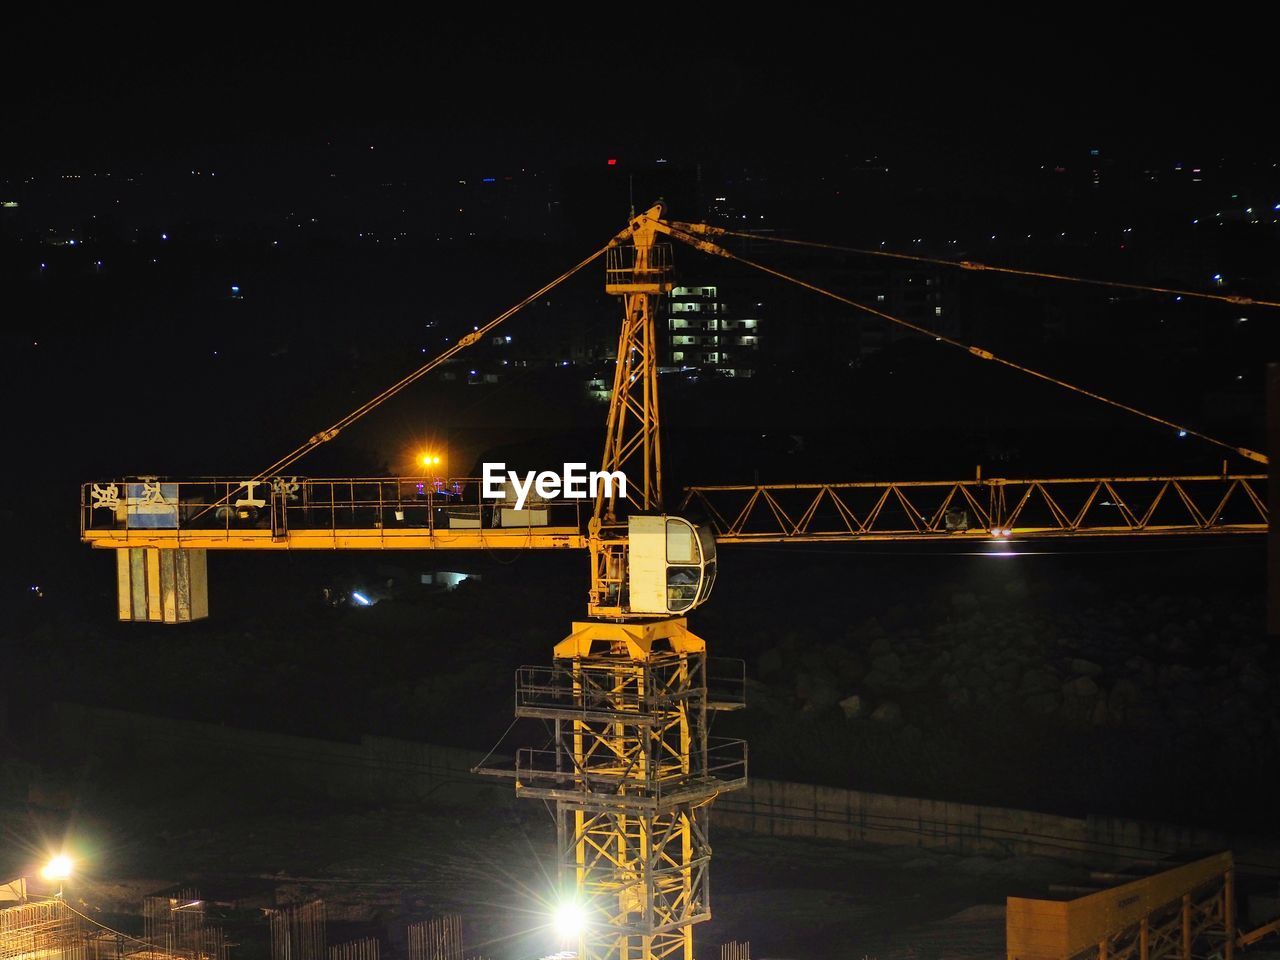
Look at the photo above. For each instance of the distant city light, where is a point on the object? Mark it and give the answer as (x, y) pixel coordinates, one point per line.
(361, 599)
(164, 236)
(612, 161)
(1182, 433)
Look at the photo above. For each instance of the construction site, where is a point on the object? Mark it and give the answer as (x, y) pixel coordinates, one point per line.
(617, 742)
(847, 695)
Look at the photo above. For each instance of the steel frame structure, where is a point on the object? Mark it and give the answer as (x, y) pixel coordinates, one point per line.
(944, 509)
(639, 273)
(631, 770)
(1168, 914)
(375, 514)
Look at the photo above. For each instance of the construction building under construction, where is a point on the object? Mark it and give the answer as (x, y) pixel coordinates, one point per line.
(51, 929)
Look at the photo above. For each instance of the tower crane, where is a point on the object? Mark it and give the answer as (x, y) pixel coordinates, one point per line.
(631, 767)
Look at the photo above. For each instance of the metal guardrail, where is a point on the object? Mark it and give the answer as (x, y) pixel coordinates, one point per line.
(552, 774)
(622, 269)
(567, 689)
(281, 504)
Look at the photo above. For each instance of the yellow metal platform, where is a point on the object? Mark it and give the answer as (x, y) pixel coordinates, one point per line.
(538, 538)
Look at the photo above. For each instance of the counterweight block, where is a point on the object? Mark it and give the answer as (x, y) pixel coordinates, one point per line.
(162, 586)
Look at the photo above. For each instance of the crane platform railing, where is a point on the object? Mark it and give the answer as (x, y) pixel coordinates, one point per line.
(982, 508)
(297, 512)
(591, 691)
(610, 780)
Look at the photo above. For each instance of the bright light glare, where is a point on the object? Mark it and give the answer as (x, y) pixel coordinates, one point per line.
(59, 868)
(568, 921)
(429, 460)
(360, 598)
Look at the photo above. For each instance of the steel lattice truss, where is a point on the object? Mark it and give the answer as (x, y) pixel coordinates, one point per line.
(643, 880)
(632, 771)
(940, 509)
(1175, 929)
(631, 434)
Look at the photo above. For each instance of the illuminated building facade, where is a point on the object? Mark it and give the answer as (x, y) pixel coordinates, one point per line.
(704, 332)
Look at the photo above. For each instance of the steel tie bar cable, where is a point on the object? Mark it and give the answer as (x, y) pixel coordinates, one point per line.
(706, 246)
(973, 265)
(467, 340)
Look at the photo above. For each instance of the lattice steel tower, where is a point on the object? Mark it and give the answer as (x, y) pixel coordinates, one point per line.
(631, 767)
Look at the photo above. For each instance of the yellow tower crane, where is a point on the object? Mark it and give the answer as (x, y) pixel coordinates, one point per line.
(630, 767)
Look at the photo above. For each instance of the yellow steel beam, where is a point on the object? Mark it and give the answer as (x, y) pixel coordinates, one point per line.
(961, 510)
(980, 536)
(983, 508)
(1058, 929)
(540, 538)
(1253, 936)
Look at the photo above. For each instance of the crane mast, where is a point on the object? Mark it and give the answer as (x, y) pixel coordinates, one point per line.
(631, 768)
(640, 273)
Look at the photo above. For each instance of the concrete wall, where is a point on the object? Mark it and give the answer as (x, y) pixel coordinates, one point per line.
(376, 769)
(382, 769)
(776, 808)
